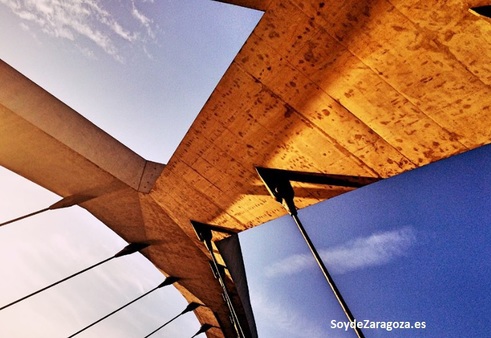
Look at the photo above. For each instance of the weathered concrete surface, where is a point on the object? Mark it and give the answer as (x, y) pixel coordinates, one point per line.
(371, 88)
(45, 141)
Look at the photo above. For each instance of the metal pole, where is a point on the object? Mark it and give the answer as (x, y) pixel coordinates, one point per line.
(279, 186)
(56, 283)
(327, 276)
(167, 281)
(191, 307)
(63, 203)
(235, 318)
(203, 328)
(127, 250)
(25, 216)
(203, 231)
(160, 327)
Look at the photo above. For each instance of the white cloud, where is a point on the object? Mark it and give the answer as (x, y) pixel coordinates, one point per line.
(363, 252)
(283, 318)
(89, 53)
(79, 20)
(24, 26)
(145, 21)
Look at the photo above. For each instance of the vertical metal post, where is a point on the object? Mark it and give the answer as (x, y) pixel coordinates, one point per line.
(327, 276)
(280, 188)
(235, 318)
(203, 231)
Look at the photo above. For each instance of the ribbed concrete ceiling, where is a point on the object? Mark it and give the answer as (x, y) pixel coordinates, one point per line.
(369, 88)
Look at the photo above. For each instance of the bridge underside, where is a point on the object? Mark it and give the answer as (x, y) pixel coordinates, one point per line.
(365, 88)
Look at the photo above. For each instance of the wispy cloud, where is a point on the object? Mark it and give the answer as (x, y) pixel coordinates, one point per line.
(144, 20)
(281, 317)
(377, 249)
(24, 26)
(79, 21)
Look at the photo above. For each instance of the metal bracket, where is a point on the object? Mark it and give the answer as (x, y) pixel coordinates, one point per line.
(278, 183)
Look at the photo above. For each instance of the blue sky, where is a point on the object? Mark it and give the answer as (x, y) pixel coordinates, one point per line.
(415, 247)
(141, 70)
